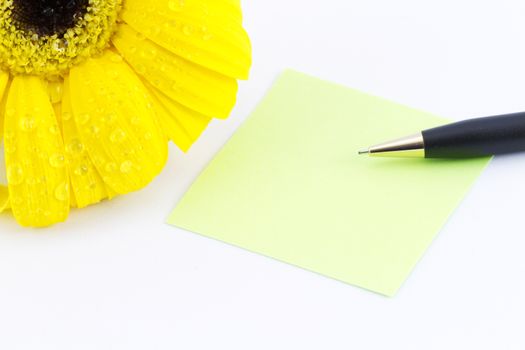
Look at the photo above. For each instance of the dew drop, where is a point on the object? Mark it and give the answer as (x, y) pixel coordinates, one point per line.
(116, 58)
(55, 91)
(53, 129)
(206, 35)
(95, 130)
(141, 69)
(81, 170)
(176, 5)
(28, 123)
(83, 118)
(66, 116)
(126, 166)
(111, 167)
(15, 174)
(62, 192)
(75, 146)
(187, 29)
(57, 160)
(17, 200)
(117, 136)
(98, 161)
(9, 135)
(109, 118)
(9, 148)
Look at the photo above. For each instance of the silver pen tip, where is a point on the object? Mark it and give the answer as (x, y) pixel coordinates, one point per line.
(363, 151)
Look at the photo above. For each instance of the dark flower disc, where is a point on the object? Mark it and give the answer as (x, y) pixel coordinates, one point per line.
(48, 17)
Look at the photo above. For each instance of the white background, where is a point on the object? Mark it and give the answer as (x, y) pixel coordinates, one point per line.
(116, 277)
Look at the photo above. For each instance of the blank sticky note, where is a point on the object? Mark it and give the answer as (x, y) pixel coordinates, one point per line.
(290, 185)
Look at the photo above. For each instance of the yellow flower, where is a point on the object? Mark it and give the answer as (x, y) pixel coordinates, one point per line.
(92, 90)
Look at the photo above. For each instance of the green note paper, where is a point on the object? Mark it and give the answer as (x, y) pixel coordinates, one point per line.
(290, 185)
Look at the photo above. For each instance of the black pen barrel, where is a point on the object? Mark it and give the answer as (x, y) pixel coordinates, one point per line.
(477, 137)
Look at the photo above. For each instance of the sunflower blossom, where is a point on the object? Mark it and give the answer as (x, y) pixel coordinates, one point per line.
(93, 90)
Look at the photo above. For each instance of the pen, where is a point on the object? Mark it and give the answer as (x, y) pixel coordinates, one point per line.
(477, 137)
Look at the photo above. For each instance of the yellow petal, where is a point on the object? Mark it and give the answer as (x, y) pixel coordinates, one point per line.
(170, 127)
(191, 85)
(87, 186)
(207, 32)
(4, 79)
(4, 193)
(116, 122)
(182, 125)
(4, 198)
(36, 172)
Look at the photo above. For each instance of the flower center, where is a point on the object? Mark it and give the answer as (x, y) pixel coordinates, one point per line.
(48, 17)
(48, 37)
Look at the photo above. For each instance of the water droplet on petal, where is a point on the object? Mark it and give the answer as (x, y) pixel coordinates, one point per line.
(187, 29)
(117, 136)
(57, 160)
(176, 5)
(15, 174)
(53, 129)
(126, 166)
(62, 192)
(17, 200)
(66, 116)
(82, 170)
(28, 123)
(206, 35)
(116, 58)
(109, 118)
(95, 130)
(83, 118)
(141, 69)
(10, 148)
(111, 167)
(75, 146)
(55, 91)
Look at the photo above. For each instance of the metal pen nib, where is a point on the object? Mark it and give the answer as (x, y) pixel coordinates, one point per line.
(412, 146)
(363, 151)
